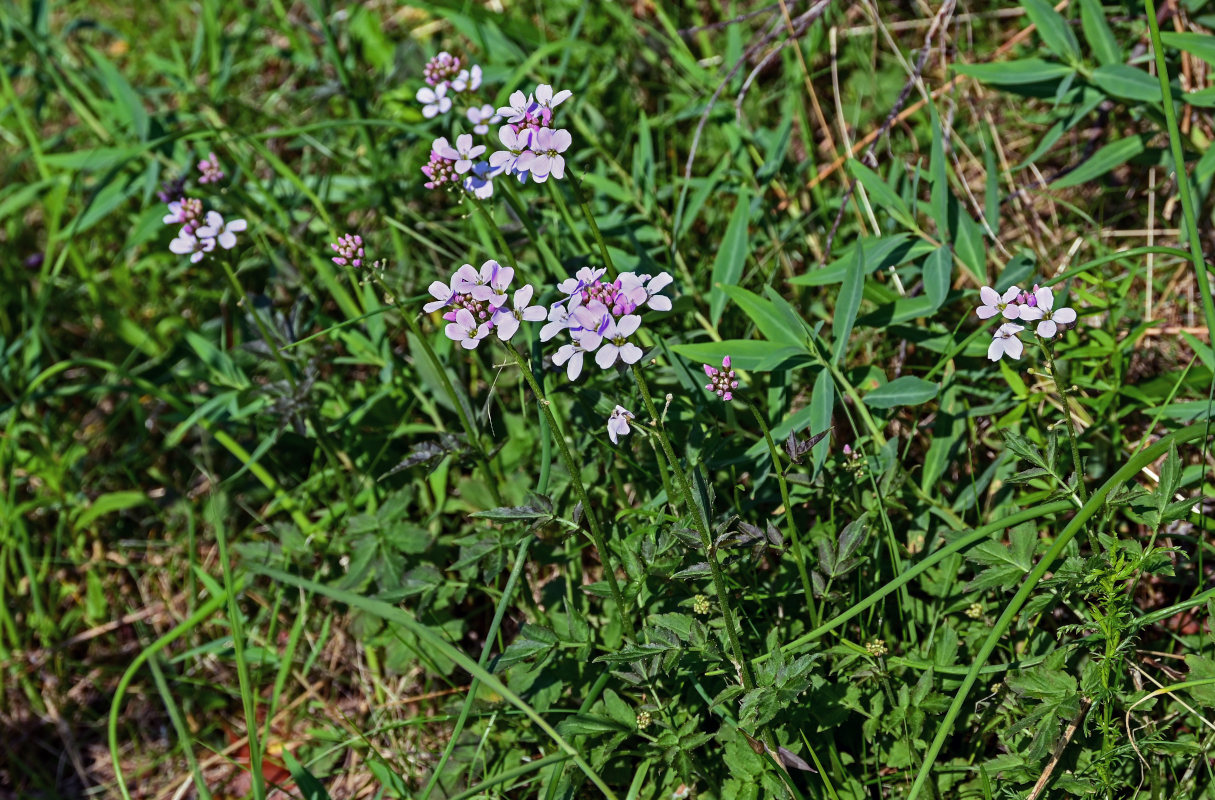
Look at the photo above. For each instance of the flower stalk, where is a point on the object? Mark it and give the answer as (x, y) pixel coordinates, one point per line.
(579, 490)
(702, 529)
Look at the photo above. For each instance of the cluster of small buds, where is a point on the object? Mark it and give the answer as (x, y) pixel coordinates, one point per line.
(443, 75)
(853, 460)
(199, 234)
(975, 610)
(441, 69)
(532, 145)
(600, 316)
(478, 303)
(441, 169)
(618, 423)
(644, 718)
(700, 604)
(722, 382)
(187, 212)
(876, 648)
(349, 249)
(172, 190)
(1036, 306)
(211, 172)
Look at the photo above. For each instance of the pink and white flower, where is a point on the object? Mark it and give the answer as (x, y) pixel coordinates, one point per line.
(466, 330)
(189, 243)
(223, 233)
(507, 320)
(546, 99)
(545, 157)
(618, 423)
(615, 342)
(1043, 312)
(434, 101)
(463, 153)
(995, 303)
(1005, 342)
(482, 118)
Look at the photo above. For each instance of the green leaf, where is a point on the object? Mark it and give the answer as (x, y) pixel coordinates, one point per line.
(939, 196)
(1098, 34)
(731, 257)
(1016, 73)
(744, 354)
(309, 787)
(848, 303)
(1196, 44)
(765, 316)
(110, 504)
(1111, 156)
(590, 725)
(880, 253)
(822, 405)
(882, 192)
(1053, 29)
(1121, 80)
(907, 390)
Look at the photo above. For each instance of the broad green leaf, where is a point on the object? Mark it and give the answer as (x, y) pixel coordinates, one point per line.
(968, 241)
(1121, 80)
(1015, 73)
(847, 304)
(880, 253)
(883, 193)
(1196, 44)
(731, 257)
(109, 504)
(765, 316)
(744, 353)
(1053, 29)
(822, 408)
(1204, 98)
(907, 390)
(306, 783)
(938, 275)
(939, 196)
(1098, 34)
(1107, 158)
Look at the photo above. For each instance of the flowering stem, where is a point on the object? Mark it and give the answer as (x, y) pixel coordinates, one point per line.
(702, 528)
(1067, 413)
(790, 527)
(590, 218)
(579, 491)
(474, 438)
(512, 199)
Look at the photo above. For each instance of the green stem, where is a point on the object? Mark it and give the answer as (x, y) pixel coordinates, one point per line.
(590, 218)
(702, 528)
(454, 736)
(790, 526)
(1067, 414)
(512, 199)
(474, 437)
(579, 491)
(1125, 473)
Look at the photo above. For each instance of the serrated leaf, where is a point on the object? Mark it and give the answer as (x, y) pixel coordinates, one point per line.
(907, 390)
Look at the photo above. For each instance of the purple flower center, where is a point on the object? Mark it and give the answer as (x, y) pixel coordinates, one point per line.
(442, 67)
(610, 295)
(440, 170)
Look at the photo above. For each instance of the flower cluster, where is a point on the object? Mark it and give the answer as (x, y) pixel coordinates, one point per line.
(444, 74)
(721, 381)
(477, 303)
(1036, 306)
(199, 233)
(532, 145)
(349, 249)
(599, 316)
(210, 169)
